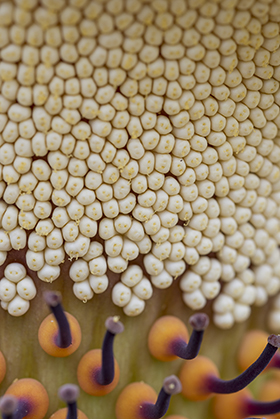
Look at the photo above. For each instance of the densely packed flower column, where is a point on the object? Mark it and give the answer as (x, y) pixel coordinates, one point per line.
(139, 161)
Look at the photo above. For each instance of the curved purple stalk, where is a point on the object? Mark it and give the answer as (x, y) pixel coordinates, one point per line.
(171, 385)
(190, 350)
(69, 394)
(253, 407)
(216, 385)
(64, 337)
(106, 373)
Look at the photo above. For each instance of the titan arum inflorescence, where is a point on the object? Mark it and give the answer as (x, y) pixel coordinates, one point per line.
(139, 160)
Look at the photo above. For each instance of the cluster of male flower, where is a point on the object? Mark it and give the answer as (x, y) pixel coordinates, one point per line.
(144, 129)
(16, 289)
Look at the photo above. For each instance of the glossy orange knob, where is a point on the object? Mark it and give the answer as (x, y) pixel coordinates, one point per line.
(233, 404)
(33, 394)
(164, 331)
(48, 332)
(193, 376)
(86, 374)
(129, 403)
(250, 347)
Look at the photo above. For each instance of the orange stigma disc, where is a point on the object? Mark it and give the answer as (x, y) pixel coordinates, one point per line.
(129, 403)
(164, 331)
(88, 366)
(34, 396)
(48, 331)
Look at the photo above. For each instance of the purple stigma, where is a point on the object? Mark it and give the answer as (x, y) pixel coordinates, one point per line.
(274, 340)
(216, 385)
(106, 373)
(253, 407)
(113, 325)
(69, 393)
(199, 321)
(190, 350)
(171, 386)
(52, 298)
(64, 337)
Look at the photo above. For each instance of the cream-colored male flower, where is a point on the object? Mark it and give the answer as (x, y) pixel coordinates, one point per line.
(139, 151)
(141, 138)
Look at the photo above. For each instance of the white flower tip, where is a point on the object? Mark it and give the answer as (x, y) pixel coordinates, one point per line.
(69, 393)
(52, 298)
(172, 385)
(274, 340)
(113, 325)
(199, 321)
